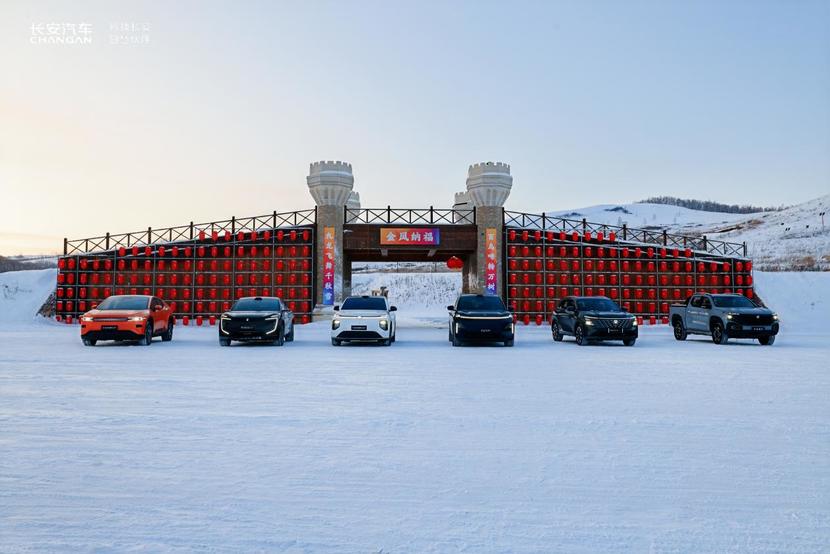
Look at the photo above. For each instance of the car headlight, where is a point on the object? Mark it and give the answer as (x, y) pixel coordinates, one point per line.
(87, 318)
(138, 318)
(634, 321)
(589, 321)
(730, 316)
(225, 316)
(335, 324)
(775, 317)
(384, 324)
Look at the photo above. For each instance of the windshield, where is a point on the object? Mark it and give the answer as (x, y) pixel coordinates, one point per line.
(598, 304)
(256, 305)
(484, 303)
(733, 302)
(368, 303)
(125, 303)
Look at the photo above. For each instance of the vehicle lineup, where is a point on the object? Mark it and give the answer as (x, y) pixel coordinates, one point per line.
(364, 319)
(480, 318)
(473, 318)
(257, 319)
(593, 318)
(723, 316)
(128, 318)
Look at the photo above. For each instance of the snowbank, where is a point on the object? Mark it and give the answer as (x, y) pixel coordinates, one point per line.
(22, 293)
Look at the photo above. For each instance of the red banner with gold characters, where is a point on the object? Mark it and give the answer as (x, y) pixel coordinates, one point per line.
(328, 266)
(491, 261)
(413, 236)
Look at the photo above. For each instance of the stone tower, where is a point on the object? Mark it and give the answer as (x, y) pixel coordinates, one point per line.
(330, 184)
(488, 186)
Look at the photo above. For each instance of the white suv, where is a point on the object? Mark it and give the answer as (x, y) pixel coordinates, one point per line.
(364, 319)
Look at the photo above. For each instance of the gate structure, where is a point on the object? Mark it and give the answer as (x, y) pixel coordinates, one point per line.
(305, 257)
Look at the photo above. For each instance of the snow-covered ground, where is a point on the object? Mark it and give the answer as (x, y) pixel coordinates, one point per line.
(418, 447)
(793, 238)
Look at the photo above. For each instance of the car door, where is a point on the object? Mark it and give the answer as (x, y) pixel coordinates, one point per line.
(157, 314)
(705, 310)
(693, 313)
(567, 317)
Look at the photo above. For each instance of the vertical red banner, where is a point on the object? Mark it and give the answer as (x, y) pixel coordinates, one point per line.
(328, 266)
(491, 262)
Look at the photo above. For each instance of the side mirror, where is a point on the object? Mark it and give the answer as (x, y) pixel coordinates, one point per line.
(569, 310)
(157, 308)
(393, 309)
(337, 308)
(451, 308)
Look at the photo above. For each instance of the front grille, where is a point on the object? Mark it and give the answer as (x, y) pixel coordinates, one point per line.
(253, 327)
(753, 319)
(358, 335)
(110, 319)
(622, 323)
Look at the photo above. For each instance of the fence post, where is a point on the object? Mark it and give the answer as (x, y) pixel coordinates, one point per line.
(431, 210)
(584, 225)
(107, 242)
(625, 231)
(388, 214)
(233, 225)
(744, 249)
(65, 245)
(149, 235)
(705, 248)
(665, 238)
(274, 220)
(191, 230)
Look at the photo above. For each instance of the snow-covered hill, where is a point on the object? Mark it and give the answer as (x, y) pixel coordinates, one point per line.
(790, 239)
(22, 293)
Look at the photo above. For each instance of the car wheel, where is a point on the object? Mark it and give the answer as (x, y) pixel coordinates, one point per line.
(679, 330)
(336, 342)
(556, 332)
(579, 334)
(767, 341)
(719, 336)
(629, 342)
(509, 342)
(386, 342)
(290, 336)
(455, 340)
(280, 336)
(89, 342)
(393, 337)
(224, 342)
(147, 339)
(168, 333)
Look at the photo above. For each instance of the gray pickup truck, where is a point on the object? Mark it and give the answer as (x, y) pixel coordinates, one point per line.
(723, 316)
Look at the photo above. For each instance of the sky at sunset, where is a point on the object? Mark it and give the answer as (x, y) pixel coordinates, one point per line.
(180, 111)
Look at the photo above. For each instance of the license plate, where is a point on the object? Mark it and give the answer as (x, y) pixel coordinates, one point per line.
(757, 328)
(109, 327)
(486, 330)
(358, 327)
(612, 330)
(246, 327)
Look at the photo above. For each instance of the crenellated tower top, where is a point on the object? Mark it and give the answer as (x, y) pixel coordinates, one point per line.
(489, 183)
(330, 182)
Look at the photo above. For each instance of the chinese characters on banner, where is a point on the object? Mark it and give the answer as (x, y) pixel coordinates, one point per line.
(490, 274)
(328, 266)
(397, 236)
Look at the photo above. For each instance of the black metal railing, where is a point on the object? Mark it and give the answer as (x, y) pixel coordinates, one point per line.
(423, 216)
(545, 222)
(167, 235)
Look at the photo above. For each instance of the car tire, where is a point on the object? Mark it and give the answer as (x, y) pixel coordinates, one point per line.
(224, 342)
(767, 341)
(89, 342)
(629, 342)
(680, 332)
(280, 336)
(509, 342)
(290, 336)
(393, 337)
(719, 335)
(336, 342)
(168, 333)
(579, 335)
(386, 342)
(455, 340)
(147, 339)
(556, 332)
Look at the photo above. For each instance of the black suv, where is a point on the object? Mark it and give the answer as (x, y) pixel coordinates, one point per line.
(590, 318)
(480, 318)
(257, 319)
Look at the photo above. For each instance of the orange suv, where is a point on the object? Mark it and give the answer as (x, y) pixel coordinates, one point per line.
(133, 317)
